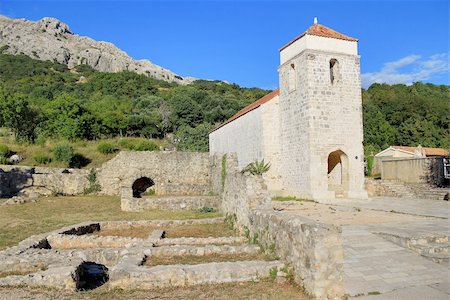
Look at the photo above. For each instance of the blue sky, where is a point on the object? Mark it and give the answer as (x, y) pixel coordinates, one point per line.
(238, 41)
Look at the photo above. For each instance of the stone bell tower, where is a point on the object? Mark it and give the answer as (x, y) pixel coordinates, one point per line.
(321, 116)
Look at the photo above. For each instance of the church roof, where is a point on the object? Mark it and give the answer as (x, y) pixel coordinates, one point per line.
(251, 107)
(323, 31)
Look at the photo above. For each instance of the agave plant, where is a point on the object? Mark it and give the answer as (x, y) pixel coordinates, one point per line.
(257, 167)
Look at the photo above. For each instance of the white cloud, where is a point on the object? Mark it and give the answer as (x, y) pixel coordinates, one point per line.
(417, 69)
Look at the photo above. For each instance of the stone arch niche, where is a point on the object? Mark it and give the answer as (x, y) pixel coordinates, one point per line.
(141, 185)
(338, 173)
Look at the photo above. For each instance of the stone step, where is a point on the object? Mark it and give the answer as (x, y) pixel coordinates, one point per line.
(204, 250)
(177, 202)
(188, 275)
(228, 240)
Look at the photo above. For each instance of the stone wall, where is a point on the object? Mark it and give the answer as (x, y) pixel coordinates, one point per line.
(35, 181)
(317, 118)
(173, 173)
(240, 193)
(410, 170)
(243, 136)
(313, 250)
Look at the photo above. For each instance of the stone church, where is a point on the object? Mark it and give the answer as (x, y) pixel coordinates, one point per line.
(310, 129)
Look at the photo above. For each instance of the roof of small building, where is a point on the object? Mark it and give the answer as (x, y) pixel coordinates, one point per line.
(323, 31)
(250, 107)
(428, 151)
(412, 150)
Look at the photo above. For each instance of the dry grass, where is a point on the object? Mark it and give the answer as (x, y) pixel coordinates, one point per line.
(261, 290)
(18, 222)
(86, 148)
(201, 259)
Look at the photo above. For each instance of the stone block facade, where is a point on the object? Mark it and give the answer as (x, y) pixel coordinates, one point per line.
(312, 132)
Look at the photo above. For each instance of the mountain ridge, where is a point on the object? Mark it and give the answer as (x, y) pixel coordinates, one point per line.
(52, 39)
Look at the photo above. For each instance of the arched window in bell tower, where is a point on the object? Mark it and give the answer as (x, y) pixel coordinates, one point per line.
(292, 78)
(334, 71)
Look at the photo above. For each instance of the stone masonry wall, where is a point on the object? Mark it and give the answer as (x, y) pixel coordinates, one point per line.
(35, 181)
(313, 250)
(174, 173)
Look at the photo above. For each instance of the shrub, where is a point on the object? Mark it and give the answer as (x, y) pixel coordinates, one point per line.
(3, 160)
(206, 209)
(146, 146)
(93, 186)
(127, 144)
(4, 150)
(42, 159)
(78, 161)
(63, 152)
(106, 148)
(257, 167)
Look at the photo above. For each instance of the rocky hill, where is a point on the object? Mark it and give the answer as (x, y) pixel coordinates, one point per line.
(51, 39)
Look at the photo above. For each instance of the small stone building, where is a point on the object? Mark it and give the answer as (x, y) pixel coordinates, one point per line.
(310, 130)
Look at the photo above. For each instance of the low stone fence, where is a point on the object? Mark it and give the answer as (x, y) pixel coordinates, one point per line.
(312, 250)
(37, 181)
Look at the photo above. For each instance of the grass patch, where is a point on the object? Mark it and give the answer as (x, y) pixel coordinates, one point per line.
(263, 289)
(174, 231)
(290, 198)
(18, 222)
(87, 149)
(201, 259)
(38, 267)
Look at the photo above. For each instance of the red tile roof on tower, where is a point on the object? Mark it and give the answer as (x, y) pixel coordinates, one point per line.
(323, 31)
(251, 107)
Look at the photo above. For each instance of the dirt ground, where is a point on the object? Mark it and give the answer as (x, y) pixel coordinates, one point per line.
(342, 215)
(265, 289)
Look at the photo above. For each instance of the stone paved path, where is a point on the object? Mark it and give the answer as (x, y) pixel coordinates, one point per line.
(375, 265)
(421, 207)
(380, 269)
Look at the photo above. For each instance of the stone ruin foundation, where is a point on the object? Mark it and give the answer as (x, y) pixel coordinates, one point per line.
(79, 258)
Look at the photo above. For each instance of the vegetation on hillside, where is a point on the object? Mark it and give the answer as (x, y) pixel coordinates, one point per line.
(406, 115)
(42, 101)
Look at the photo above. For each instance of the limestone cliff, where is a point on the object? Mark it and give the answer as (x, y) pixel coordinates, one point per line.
(51, 39)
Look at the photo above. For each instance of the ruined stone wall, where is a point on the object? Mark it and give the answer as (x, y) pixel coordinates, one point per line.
(313, 250)
(174, 173)
(239, 192)
(25, 181)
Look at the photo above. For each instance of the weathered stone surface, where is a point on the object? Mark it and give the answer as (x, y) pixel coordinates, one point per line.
(51, 39)
(314, 250)
(205, 250)
(170, 203)
(202, 241)
(28, 183)
(185, 275)
(173, 173)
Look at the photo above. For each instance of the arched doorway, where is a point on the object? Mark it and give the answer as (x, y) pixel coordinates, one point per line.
(140, 185)
(338, 173)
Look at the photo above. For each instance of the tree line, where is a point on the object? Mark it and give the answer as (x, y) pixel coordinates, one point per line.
(43, 99)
